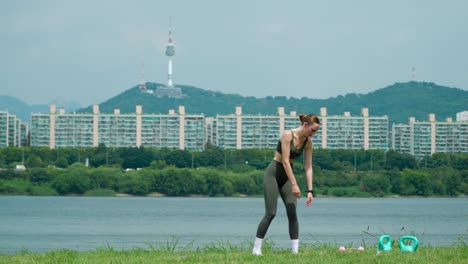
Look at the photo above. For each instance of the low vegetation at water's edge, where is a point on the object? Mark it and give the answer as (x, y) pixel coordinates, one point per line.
(225, 253)
(217, 172)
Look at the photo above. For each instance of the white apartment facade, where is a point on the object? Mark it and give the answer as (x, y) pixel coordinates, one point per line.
(172, 130)
(13, 133)
(236, 131)
(424, 138)
(336, 132)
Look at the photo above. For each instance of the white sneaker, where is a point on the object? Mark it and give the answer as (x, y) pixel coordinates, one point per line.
(257, 249)
(256, 252)
(295, 246)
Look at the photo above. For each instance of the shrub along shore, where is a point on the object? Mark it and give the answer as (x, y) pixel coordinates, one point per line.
(79, 180)
(215, 172)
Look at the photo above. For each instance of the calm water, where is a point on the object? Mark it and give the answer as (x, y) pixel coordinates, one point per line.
(81, 223)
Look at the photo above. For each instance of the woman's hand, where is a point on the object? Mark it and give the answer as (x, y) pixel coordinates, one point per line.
(295, 190)
(310, 199)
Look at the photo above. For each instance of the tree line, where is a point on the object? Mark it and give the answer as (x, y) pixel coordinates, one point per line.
(218, 172)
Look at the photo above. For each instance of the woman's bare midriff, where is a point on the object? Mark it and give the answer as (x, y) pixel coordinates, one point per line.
(278, 157)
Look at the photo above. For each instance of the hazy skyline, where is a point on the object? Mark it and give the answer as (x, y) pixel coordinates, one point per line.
(89, 51)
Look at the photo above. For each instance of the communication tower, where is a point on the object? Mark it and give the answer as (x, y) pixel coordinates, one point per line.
(170, 90)
(142, 82)
(170, 52)
(413, 74)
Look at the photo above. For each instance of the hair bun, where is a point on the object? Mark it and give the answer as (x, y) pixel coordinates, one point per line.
(310, 118)
(301, 117)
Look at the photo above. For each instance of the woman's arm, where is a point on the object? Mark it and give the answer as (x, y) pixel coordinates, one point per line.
(309, 172)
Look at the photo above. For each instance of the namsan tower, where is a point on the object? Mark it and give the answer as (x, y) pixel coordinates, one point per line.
(170, 90)
(170, 52)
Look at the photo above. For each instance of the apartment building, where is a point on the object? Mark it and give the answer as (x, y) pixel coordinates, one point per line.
(462, 116)
(172, 130)
(13, 133)
(4, 129)
(336, 132)
(234, 131)
(424, 138)
(239, 131)
(352, 132)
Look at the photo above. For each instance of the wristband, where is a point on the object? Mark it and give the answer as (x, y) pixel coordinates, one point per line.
(310, 191)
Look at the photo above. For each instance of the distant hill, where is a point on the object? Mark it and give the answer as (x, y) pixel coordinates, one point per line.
(398, 101)
(23, 110)
(19, 108)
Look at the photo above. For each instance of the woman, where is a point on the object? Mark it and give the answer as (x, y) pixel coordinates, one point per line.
(279, 179)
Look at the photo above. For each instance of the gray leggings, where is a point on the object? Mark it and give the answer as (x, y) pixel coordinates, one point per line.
(276, 182)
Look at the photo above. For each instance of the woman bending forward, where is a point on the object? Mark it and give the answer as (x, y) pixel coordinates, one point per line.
(279, 179)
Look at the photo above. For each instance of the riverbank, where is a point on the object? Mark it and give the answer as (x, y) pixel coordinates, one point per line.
(226, 253)
(159, 195)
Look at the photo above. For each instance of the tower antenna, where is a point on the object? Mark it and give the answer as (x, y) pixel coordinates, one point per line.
(142, 82)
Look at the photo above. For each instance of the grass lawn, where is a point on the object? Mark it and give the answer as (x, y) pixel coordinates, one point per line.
(226, 253)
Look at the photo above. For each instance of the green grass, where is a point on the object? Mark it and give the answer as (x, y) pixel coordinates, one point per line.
(221, 252)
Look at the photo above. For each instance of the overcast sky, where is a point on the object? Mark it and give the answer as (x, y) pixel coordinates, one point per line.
(91, 50)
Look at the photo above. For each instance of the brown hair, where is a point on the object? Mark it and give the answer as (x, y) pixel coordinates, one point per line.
(310, 119)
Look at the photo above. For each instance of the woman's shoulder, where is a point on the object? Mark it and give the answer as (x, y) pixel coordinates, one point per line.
(287, 134)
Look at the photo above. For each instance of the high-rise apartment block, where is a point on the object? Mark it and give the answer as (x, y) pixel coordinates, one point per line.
(424, 138)
(352, 132)
(13, 133)
(188, 131)
(250, 131)
(336, 132)
(462, 116)
(239, 131)
(172, 130)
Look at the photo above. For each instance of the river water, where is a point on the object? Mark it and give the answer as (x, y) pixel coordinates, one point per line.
(42, 224)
